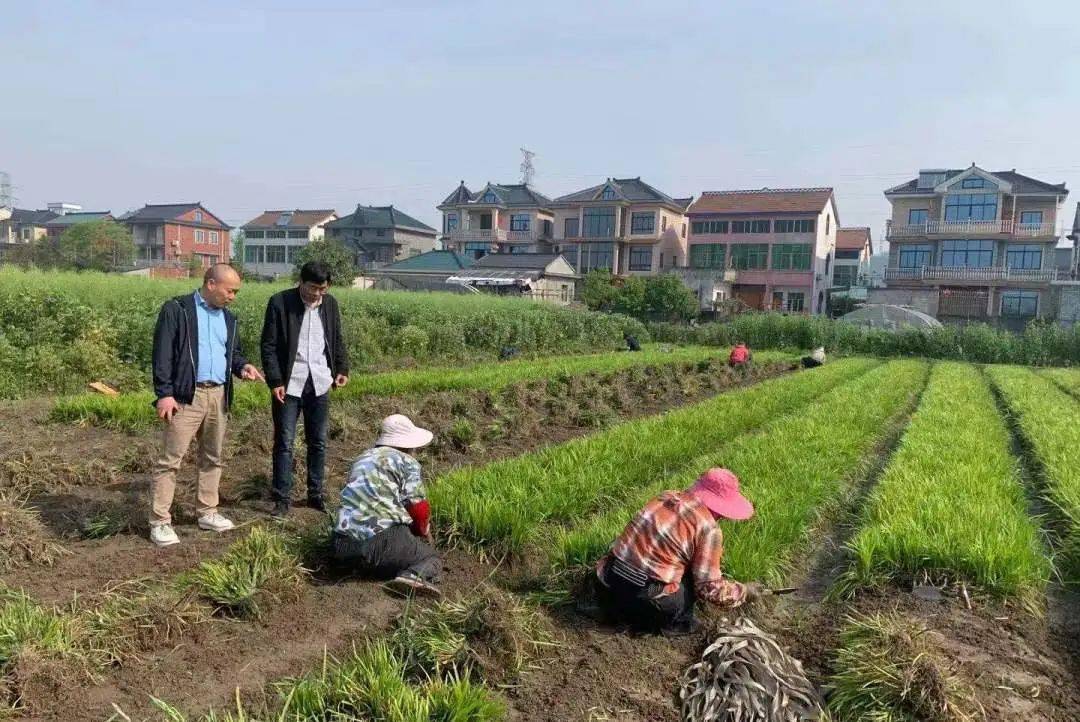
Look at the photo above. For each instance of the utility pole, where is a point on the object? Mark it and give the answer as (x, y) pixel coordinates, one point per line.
(7, 199)
(527, 170)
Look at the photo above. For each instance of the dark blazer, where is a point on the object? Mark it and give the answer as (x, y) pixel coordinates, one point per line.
(176, 351)
(281, 334)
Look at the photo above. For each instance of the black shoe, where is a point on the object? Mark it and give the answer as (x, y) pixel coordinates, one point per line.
(316, 503)
(281, 509)
(681, 629)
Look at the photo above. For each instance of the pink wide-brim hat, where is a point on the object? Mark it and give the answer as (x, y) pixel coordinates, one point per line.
(398, 430)
(718, 489)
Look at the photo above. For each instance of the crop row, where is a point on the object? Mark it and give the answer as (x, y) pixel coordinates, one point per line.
(1067, 379)
(502, 505)
(950, 503)
(133, 411)
(797, 467)
(1049, 420)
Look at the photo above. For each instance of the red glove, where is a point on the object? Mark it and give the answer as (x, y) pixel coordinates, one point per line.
(420, 511)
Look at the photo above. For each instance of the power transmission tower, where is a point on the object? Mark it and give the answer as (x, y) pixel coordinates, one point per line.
(527, 170)
(7, 199)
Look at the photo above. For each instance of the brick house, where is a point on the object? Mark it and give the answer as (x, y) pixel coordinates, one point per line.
(178, 232)
(272, 239)
(770, 249)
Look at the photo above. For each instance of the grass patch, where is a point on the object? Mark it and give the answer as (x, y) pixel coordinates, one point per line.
(24, 539)
(952, 472)
(263, 565)
(888, 670)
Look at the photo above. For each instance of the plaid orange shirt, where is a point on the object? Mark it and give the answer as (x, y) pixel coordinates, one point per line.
(673, 532)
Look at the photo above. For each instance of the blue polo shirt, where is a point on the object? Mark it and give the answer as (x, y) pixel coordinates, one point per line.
(213, 342)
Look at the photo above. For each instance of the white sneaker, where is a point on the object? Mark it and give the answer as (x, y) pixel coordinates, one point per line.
(214, 522)
(163, 535)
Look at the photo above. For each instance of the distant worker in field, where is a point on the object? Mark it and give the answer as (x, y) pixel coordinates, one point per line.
(304, 356)
(631, 342)
(669, 555)
(196, 354)
(383, 527)
(740, 357)
(815, 359)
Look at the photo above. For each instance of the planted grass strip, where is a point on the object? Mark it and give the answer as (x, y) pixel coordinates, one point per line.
(1067, 379)
(130, 412)
(950, 504)
(792, 469)
(501, 505)
(1049, 420)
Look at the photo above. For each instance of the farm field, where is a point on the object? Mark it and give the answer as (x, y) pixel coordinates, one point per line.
(870, 478)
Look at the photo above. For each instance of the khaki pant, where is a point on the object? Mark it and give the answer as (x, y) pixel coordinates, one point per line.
(203, 418)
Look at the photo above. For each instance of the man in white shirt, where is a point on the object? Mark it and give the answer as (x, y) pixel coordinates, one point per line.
(304, 357)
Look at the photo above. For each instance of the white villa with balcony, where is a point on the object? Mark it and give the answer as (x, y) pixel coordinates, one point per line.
(497, 219)
(974, 245)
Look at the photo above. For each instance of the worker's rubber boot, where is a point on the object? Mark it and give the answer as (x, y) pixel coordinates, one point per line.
(407, 584)
(682, 628)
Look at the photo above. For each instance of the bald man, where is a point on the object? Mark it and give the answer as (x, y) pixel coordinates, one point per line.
(196, 353)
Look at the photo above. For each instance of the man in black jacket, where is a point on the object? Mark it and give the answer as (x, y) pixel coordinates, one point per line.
(304, 357)
(196, 353)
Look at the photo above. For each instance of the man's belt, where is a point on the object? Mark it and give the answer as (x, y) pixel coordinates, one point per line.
(207, 384)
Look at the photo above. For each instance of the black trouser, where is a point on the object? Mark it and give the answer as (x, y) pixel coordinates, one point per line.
(644, 607)
(809, 362)
(316, 415)
(389, 553)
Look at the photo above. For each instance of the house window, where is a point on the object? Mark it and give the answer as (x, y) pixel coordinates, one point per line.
(200, 236)
(794, 302)
(709, 227)
(275, 254)
(293, 253)
(663, 223)
(683, 230)
(380, 232)
(976, 182)
(971, 207)
(477, 250)
(1027, 256)
(750, 226)
(845, 276)
(640, 258)
(275, 234)
(749, 256)
(253, 234)
(642, 222)
(1019, 304)
(599, 222)
(547, 229)
(828, 260)
(489, 197)
(916, 255)
(519, 221)
(918, 216)
(214, 238)
(570, 228)
(608, 195)
(707, 255)
(827, 220)
(1031, 219)
(590, 256)
(198, 216)
(451, 222)
(253, 254)
(805, 225)
(297, 234)
(564, 292)
(791, 257)
(967, 254)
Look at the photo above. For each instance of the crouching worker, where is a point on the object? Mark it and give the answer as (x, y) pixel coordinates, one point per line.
(669, 556)
(740, 357)
(815, 359)
(383, 524)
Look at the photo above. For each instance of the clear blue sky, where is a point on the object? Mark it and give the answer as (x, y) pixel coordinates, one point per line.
(248, 106)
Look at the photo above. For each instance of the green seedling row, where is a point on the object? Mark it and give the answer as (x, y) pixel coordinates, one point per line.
(500, 506)
(1050, 421)
(950, 505)
(1068, 379)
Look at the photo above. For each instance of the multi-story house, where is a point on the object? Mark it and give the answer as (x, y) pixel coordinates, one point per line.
(770, 249)
(178, 232)
(852, 261)
(272, 239)
(622, 225)
(382, 234)
(55, 227)
(19, 226)
(497, 219)
(974, 245)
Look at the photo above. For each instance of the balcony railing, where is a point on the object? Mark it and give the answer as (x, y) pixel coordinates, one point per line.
(949, 228)
(943, 273)
(474, 235)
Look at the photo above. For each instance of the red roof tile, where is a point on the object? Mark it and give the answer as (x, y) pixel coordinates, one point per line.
(269, 219)
(852, 239)
(766, 200)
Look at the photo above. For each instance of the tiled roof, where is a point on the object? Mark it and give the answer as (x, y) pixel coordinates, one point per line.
(70, 219)
(293, 219)
(379, 217)
(516, 260)
(632, 190)
(163, 212)
(1020, 183)
(513, 195)
(430, 261)
(852, 239)
(764, 200)
(28, 217)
